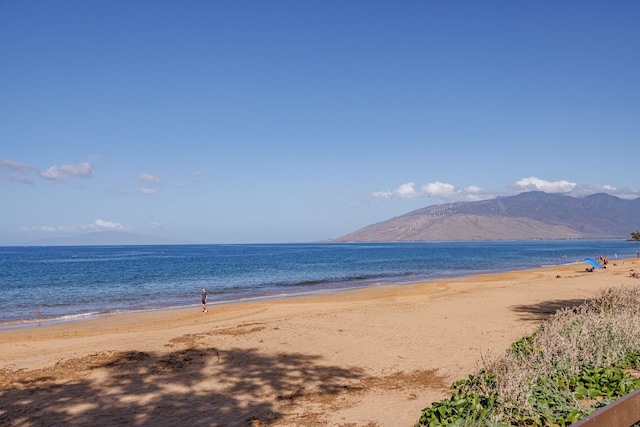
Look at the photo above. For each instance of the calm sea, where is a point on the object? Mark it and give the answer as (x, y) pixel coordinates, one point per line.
(69, 283)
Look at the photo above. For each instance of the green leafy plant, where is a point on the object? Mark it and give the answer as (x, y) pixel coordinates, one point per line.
(523, 347)
(578, 361)
(465, 406)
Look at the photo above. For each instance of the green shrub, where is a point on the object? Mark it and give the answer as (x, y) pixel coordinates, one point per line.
(576, 362)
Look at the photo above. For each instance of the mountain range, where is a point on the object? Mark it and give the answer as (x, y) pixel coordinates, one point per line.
(526, 216)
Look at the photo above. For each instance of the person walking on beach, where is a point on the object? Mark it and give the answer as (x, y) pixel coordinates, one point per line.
(204, 297)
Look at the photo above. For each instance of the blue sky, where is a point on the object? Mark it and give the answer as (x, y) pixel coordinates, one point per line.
(296, 121)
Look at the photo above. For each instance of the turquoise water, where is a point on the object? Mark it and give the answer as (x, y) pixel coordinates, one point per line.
(65, 283)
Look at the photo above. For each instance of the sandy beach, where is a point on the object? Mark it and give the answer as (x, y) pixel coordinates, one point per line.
(369, 357)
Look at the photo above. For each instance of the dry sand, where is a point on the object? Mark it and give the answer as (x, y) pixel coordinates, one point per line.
(371, 357)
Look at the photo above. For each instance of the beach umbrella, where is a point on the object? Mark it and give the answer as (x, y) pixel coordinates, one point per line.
(592, 262)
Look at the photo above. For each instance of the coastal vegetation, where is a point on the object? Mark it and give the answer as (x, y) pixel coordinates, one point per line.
(579, 360)
(635, 235)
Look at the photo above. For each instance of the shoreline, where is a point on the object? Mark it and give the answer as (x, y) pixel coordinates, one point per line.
(370, 356)
(81, 317)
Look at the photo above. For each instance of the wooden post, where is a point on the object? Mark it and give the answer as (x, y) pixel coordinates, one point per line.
(624, 412)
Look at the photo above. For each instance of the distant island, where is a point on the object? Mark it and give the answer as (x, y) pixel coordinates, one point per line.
(526, 216)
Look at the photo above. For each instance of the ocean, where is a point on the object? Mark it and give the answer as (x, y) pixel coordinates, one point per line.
(64, 283)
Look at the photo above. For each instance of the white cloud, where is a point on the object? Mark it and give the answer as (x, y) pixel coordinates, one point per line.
(102, 225)
(149, 178)
(21, 172)
(147, 191)
(16, 172)
(537, 184)
(446, 193)
(65, 172)
(440, 191)
(97, 225)
(405, 191)
(626, 193)
(570, 188)
(623, 193)
(13, 165)
(382, 194)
